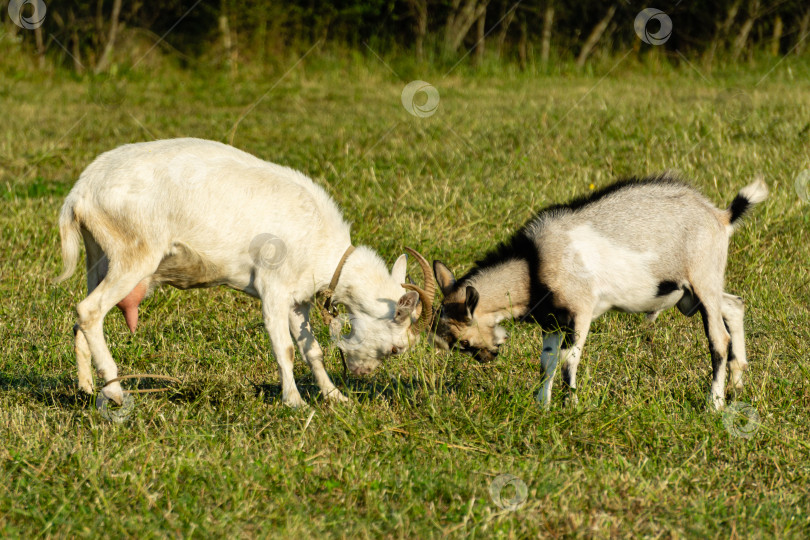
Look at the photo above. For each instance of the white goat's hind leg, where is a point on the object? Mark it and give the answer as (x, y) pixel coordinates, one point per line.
(276, 321)
(572, 356)
(311, 350)
(733, 312)
(83, 361)
(96, 270)
(549, 358)
(92, 310)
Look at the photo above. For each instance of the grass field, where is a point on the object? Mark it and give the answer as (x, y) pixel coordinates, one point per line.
(421, 448)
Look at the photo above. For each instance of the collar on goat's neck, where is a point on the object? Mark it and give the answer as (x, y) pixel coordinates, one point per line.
(329, 293)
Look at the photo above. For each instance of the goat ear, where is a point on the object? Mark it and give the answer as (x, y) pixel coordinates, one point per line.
(400, 268)
(444, 277)
(471, 301)
(405, 307)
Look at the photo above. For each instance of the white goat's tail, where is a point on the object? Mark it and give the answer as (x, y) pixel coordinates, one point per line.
(71, 236)
(753, 193)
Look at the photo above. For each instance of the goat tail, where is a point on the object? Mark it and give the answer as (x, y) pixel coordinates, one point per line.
(71, 235)
(753, 193)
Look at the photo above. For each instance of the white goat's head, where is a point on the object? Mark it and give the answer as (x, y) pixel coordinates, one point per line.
(384, 323)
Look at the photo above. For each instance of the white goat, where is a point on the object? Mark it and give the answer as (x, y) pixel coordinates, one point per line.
(636, 246)
(195, 213)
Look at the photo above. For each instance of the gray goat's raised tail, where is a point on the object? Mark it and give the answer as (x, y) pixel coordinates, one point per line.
(753, 193)
(71, 238)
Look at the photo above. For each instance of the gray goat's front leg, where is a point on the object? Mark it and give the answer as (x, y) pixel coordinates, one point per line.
(302, 333)
(276, 323)
(571, 356)
(549, 358)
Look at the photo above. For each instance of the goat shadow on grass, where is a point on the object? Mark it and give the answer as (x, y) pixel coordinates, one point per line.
(60, 391)
(411, 389)
(63, 391)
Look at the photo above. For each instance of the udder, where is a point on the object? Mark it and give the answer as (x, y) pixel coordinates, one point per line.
(129, 305)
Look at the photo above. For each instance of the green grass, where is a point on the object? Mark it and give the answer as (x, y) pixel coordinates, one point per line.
(424, 438)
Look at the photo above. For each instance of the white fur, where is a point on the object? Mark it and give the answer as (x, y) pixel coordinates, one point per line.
(190, 213)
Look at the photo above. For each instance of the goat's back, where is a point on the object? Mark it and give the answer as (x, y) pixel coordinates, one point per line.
(202, 190)
(662, 224)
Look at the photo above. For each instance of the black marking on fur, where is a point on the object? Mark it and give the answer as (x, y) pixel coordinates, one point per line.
(705, 317)
(717, 362)
(739, 207)
(621, 185)
(666, 288)
(521, 247)
(544, 309)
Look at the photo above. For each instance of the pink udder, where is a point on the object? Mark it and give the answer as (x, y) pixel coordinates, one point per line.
(129, 305)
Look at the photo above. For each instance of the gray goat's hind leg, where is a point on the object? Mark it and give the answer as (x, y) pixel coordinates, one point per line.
(719, 339)
(733, 312)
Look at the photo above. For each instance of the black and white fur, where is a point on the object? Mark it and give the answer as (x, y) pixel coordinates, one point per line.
(635, 246)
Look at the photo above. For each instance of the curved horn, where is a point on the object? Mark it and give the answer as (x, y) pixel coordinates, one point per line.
(425, 295)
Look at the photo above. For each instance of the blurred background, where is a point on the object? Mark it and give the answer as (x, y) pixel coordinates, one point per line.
(97, 36)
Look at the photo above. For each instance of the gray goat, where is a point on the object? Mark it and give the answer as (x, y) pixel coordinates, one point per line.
(639, 246)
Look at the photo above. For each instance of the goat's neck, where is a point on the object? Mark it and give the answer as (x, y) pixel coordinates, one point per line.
(504, 289)
(365, 284)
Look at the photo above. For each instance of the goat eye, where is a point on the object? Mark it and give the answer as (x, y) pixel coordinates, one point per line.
(394, 350)
(464, 344)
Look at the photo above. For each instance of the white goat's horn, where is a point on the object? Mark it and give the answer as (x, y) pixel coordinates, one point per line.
(425, 295)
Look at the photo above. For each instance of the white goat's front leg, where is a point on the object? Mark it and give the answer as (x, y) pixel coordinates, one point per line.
(572, 355)
(310, 349)
(548, 359)
(733, 312)
(276, 317)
